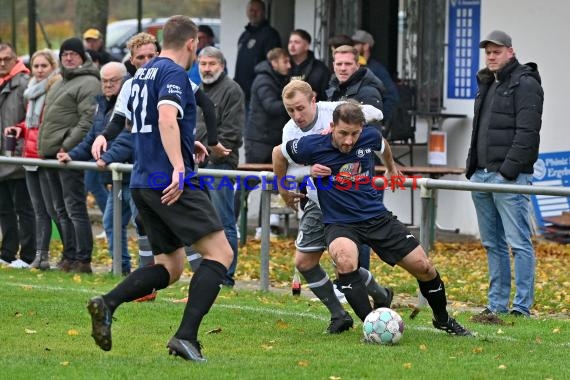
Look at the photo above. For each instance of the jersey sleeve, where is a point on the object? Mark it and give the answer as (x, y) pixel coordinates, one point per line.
(123, 100)
(174, 90)
(297, 151)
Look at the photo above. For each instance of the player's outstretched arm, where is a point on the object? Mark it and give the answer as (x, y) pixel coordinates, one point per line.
(388, 160)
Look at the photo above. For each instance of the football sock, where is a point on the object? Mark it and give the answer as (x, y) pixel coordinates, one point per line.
(355, 292)
(139, 283)
(320, 284)
(146, 257)
(434, 293)
(204, 288)
(378, 293)
(194, 258)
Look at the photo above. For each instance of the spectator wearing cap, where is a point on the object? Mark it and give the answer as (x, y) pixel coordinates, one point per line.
(305, 66)
(206, 37)
(363, 42)
(93, 41)
(68, 115)
(504, 147)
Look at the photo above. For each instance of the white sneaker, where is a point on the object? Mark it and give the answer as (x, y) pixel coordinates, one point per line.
(257, 237)
(4, 262)
(20, 264)
(340, 295)
(102, 235)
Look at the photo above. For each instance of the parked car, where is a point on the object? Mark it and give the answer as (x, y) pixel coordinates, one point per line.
(119, 32)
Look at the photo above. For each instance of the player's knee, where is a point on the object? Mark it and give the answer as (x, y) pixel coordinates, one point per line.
(304, 262)
(425, 271)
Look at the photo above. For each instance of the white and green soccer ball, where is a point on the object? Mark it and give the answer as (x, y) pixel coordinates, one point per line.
(383, 326)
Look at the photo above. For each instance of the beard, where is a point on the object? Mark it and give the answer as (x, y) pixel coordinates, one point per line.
(211, 78)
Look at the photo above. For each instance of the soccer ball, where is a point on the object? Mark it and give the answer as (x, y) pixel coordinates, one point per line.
(383, 326)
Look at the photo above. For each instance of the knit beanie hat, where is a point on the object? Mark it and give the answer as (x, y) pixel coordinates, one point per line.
(73, 44)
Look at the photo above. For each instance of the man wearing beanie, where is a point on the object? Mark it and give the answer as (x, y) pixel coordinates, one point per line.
(68, 116)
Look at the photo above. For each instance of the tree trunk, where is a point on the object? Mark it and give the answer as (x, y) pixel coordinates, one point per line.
(91, 14)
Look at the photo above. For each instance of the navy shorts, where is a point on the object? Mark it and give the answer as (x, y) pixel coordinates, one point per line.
(183, 223)
(385, 234)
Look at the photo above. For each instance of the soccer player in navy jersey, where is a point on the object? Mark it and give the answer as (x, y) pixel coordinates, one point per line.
(353, 211)
(163, 112)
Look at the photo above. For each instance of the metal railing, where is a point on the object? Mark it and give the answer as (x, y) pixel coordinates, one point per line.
(427, 188)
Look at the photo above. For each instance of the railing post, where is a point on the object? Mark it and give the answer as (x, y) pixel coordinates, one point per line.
(425, 232)
(265, 233)
(117, 221)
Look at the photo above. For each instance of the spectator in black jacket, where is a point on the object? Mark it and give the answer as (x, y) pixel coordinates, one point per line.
(253, 45)
(305, 66)
(504, 148)
(350, 81)
(267, 115)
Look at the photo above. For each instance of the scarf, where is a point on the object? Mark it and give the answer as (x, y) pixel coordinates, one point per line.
(35, 94)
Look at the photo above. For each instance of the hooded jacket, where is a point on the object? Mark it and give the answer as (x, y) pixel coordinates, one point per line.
(267, 114)
(513, 135)
(69, 109)
(12, 113)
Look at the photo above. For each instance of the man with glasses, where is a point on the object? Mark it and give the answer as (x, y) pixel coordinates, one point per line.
(68, 116)
(16, 212)
(112, 75)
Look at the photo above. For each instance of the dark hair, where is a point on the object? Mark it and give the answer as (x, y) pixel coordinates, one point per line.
(303, 34)
(7, 45)
(339, 40)
(177, 30)
(206, 30)
(350, 113)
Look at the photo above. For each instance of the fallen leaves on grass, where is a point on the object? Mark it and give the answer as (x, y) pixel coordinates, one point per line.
(463, 267)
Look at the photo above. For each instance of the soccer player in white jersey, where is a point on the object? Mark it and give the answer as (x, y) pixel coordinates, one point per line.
(307, 118)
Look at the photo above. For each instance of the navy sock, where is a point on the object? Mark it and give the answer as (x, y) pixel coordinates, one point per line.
(355, 292)
(434, 293)
(204, 288)
(139, 283)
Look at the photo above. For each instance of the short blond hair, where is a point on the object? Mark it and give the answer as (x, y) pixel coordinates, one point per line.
(295, 86)
(139, 40)
(346, 49)
(276, 53)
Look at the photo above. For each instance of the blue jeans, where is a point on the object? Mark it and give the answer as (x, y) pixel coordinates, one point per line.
(223, 200)
(504, 221)
(94, 186)
(125, 219)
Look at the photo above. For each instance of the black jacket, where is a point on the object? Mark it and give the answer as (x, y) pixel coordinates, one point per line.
(253, 45)
(267, 114)
(362, 86)
(315, 73)
(516, 117)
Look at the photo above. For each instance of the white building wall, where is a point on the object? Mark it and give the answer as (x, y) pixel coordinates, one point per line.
(539, 31)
